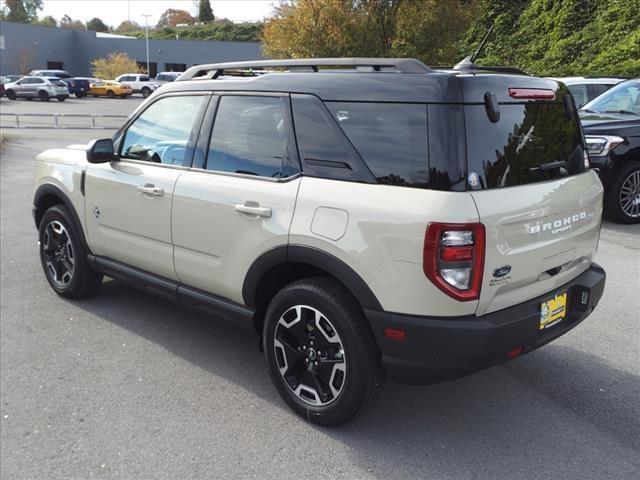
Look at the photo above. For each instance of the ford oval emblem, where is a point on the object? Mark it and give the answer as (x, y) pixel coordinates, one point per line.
(501, 271)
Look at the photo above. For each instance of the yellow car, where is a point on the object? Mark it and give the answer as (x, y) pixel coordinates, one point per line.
(109, 88)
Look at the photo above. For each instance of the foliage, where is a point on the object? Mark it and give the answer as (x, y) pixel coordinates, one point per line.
(560, 37)
(115, 64)
(172, 17)
(97, 25)
(23, 60)
(71, 24)
(223, 30)
(427, 29)
(47, 21)
(21, 11)
(128, 27)
(205, 14)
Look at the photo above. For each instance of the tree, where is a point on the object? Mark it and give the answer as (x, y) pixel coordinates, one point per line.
(70, 24)
(47, 21)
(127, 27)
(15, 11)
(97, 25)
(205, 14)
(115, 64)
(22, 61)
(172, 17)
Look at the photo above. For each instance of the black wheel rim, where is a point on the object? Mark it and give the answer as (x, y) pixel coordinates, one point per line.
(310, 355)
(630, 195)
(59, 256)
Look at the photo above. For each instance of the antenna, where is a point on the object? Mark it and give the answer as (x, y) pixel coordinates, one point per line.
(481, 46)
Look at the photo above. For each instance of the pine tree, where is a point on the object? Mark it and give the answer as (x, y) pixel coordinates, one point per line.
(205, 14)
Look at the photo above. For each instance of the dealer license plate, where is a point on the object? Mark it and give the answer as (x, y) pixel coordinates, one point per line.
(553, 310)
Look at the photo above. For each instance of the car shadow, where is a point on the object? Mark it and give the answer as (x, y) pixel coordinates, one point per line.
(552, 410)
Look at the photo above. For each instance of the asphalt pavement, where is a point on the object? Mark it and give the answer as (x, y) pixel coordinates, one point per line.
(126, 386)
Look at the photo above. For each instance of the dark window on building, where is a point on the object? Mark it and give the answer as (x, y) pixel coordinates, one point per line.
(391, 139)
(153, 68)
(55, 65)
(175, 67)
(250, 137)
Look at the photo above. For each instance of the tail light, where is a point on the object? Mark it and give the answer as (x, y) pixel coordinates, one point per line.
(532, 94)
(453, 258)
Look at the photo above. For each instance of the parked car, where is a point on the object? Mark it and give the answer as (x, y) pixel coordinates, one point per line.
(78, 86)
(366, 239)
(585, 89)
(43, 88)
(139, 83)
(166, 77)
(109, 89)
(1, 89)
(50, 73)
(611, 125)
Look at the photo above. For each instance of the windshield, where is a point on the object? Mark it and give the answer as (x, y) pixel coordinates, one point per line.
(623, 98)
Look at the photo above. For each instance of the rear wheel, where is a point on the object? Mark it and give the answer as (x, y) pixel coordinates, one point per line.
(146, 91)
(63, 256)
(43, 96)
(320, 351)
(623, 198)
(11, 95)
(110, 94)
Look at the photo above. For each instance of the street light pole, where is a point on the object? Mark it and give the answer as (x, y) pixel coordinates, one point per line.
(146, 34)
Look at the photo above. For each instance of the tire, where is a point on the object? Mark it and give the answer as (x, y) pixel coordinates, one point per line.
(110, 94)
(622, 201)
(146, 91)
(336, 352)
(81, 95)
(63, 256)
(11, 95)
(43, 96)
(62, 99)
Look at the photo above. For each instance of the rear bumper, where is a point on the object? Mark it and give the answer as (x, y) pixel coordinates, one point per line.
(449, 347)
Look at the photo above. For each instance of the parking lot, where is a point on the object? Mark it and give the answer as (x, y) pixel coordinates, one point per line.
(123, 385)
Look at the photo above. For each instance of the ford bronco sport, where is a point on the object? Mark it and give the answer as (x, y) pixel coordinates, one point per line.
(375, 216)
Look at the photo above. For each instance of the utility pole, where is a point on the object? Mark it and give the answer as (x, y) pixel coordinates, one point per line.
(146, 34)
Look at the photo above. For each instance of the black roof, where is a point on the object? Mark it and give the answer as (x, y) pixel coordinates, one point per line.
(358, 79)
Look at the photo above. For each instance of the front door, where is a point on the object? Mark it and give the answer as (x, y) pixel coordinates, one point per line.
(128, 201)
(241, 202)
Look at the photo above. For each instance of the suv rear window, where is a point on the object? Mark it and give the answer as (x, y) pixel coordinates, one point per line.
(390, 137)
(519, 149)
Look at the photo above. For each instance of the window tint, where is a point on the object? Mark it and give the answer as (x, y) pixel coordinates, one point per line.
(37, 80)
(391, 138)
(249, 136)
(527, 136)
(161, 133)
(144, 78)
(580, 94)
(598, 89)
(624, 96)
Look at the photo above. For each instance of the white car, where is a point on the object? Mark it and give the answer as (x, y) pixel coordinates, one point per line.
(31, 87)
(139, 83)
(585, 89)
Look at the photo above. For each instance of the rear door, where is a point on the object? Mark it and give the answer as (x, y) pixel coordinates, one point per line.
(540, 205)
(238, 201)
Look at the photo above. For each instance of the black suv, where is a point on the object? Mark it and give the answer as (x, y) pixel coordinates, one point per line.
(611, 125)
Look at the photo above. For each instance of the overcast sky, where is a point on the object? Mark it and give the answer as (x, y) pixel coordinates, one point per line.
(112, 12)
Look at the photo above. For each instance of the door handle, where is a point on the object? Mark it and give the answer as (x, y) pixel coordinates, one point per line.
(253, 208)
(149, 189)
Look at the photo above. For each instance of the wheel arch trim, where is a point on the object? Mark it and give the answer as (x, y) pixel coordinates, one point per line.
(311, 256)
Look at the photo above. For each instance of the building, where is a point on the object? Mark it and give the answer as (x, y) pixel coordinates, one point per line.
(24, 47)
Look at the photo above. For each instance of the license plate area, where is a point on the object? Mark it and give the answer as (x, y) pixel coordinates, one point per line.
(553, 310)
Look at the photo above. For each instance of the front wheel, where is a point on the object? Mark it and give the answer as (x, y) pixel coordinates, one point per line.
(81, 95)
(146, 92)
(44, 96)
(623, 199)
(320, 351)
(63, 256)
(11, 95)
(110, 94)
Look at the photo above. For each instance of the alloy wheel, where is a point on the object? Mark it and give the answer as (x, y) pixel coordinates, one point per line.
(629, 197)
(58, 252)
(310, 355)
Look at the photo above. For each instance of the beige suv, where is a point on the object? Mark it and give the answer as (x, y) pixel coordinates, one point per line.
(379, 217)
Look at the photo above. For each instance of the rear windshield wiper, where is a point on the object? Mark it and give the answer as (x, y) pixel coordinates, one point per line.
(544, 167)
(622, 111)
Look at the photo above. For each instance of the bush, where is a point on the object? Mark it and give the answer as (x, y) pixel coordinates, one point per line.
(115, 64)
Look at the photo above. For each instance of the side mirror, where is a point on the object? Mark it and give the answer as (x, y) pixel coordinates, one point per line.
(101, 151)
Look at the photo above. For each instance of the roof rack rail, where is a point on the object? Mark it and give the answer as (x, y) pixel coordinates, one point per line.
(215, 70)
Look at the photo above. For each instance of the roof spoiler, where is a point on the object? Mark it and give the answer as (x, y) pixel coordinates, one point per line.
(215, 70)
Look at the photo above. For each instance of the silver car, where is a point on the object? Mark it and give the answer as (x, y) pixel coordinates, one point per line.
(43, 88)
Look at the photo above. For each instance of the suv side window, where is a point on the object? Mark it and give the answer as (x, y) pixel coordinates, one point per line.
(144, 78)
(390, 137)
(37, 80)
(162, 133)
(250, 136)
